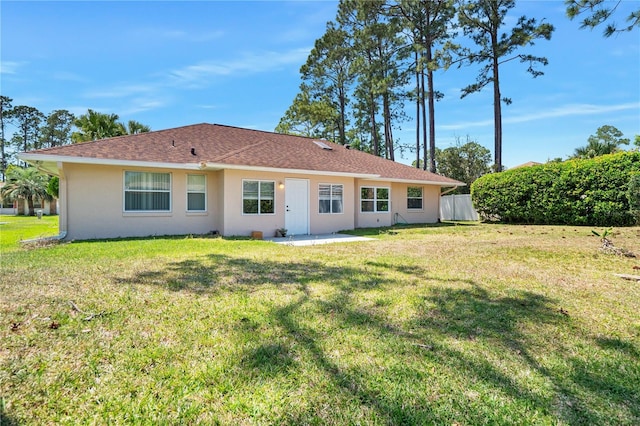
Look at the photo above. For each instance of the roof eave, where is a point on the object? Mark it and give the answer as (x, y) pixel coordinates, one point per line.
(201, 165)
(220, 166)
(419, 182)
(50, 164)
(44, 158)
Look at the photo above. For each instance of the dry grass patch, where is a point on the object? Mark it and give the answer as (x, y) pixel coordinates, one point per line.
(427, 325)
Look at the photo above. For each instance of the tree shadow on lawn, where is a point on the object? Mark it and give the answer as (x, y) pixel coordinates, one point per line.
(6, 419)
(366, 232)
(445, 315)
(425, 340)
(474, 314)
(269, 359)
(216, 272)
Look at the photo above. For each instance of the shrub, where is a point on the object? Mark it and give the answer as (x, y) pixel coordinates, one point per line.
(596, 192)
(634, 196)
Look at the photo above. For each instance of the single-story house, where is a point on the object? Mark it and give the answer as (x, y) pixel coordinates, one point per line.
(208, 177)
(20, 206)
(527, 164)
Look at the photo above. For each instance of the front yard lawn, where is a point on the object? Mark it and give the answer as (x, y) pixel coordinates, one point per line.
(469, 324)
(14, 229)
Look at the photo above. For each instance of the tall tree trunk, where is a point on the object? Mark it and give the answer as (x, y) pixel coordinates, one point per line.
(417, 112)
(3, 160)
(497, 110)
(374, 130)
(423, 97)
(18, 204)
(341, 125)
(37, 143)
(432, 109)
(388, 131)
(25, 140)
(32, 210)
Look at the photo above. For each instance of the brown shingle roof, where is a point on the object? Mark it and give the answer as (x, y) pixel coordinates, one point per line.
(527, 164)
(218, 145)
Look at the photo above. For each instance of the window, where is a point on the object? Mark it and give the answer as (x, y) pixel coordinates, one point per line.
(144, 191)
(330, 198)
(374, 199)
(196, 193)
(414, 197)
(258, 197)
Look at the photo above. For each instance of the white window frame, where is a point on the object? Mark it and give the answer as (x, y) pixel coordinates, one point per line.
(259, 181)
(421, 198)
(331, 197)
(125, 190)
(191, 191)
(375, 199)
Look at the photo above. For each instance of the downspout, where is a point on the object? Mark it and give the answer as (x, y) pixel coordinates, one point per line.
(61, 236)
(63, 213)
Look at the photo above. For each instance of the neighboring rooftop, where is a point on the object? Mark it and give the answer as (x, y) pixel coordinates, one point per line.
(527, 164)
(214, 146)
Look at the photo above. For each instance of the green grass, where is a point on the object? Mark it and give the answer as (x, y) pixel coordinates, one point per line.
(473, 324)
(13, 229)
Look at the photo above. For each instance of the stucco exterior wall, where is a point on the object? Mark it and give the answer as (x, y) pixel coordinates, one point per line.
(398, 212)
(237, 223)
(219, 200)
(94, 200)
(325, 223)
(92, 204)
(430, 204)
(372, 219)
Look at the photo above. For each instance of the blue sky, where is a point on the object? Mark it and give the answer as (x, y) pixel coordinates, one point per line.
(168, 64)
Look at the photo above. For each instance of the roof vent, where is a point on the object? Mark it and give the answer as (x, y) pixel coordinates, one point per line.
(323, 145)
(347, 146)
(193, 151)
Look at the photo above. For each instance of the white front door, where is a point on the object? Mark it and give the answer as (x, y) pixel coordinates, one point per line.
(296, 200)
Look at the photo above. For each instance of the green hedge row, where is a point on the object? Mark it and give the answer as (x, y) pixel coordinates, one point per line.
(601, 191)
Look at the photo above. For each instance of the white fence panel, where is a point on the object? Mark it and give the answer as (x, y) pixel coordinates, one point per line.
(8, 211)
(457, 207)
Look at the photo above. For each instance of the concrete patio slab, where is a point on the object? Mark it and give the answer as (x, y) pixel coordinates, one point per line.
(312, 240)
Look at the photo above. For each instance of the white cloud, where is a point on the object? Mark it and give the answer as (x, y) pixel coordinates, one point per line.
(122, 91)
(562, 111)
(10, 67)
(573, 110)
(151, 94)
(198, 75)
(189, 36)
(68, 76)
(133, 98)
(142, 104)
(466, 125)
(209, 106)
(193, 37)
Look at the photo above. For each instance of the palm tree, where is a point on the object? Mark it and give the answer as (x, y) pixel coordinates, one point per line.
(96, 125)
(607, 140)
(26, 183)
(134, 127)
(594, 149)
